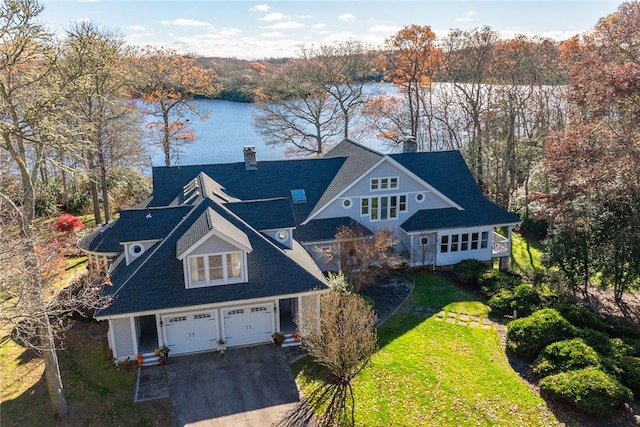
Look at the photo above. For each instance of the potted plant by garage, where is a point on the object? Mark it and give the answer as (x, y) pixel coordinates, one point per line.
(278, 337)
(296, 336)
(162, 353)
(222, 345)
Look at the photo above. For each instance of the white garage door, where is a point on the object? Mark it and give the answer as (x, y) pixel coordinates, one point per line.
(188, 333)
(248, 325)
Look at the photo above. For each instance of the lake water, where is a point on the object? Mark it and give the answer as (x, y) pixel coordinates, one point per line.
(220, 138)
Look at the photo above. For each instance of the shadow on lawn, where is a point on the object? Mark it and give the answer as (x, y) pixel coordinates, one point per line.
(432, 292)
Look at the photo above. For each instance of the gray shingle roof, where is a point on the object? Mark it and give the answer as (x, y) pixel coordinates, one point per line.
(209, 220)
(449, 174)
(155, 280)
(319, 230)
(269, 214)
(272, 179)
(133, 225)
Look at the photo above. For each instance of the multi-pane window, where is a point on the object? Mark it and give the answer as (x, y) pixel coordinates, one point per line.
(485, 240)
(384, 207)
(218, 268)
(464, 242)
(234, 265)
(364, 207)
(403, 203)
(384, 183)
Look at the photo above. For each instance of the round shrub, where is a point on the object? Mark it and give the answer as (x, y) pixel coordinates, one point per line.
(501, 302)
(599, 341)
(589, 390)
(582, 317)
(525, 299)
(494, 280)
(527, 336)
(562, 356)
(631, 373)
(468, 270)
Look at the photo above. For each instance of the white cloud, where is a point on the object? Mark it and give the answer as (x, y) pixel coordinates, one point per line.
(318, 26)
(347, 17)
(273, 16)
(468, 17)
(289, 25)
(384, 29)
(136, 28)
(272, 35)
(183, 22)
(260, 8)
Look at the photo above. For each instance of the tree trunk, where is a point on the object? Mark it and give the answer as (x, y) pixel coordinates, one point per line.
(52, 370)
(105, 188)
(95, 196)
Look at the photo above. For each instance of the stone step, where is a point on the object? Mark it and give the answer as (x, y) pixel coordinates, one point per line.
(289, 341)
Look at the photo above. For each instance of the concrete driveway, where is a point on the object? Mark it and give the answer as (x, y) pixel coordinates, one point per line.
(250, 386)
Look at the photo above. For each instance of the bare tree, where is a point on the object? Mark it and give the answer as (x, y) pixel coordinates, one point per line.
(32, 94)
(295, 111)
(343, 343)
(363, 258)
(100, 109)
(167, 83)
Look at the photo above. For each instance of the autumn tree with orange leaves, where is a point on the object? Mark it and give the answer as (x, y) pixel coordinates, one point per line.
(411, 65)
(167, 83)
(593, 166)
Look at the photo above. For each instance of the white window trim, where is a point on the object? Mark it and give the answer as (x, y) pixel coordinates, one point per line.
(379, 183)
(208, 282)
(379, 207)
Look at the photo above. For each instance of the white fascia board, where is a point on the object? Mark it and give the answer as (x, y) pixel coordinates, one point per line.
(140, 241)
(200, 307)
(426, 185)
(347, 188)
(221, 236)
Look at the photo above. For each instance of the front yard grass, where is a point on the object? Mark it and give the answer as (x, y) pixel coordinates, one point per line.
(526, 255)
(429, 372)
(97, 393)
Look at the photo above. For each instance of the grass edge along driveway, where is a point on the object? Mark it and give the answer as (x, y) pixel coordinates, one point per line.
(430, 372)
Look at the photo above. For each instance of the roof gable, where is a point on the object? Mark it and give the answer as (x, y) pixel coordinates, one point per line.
(211, 223)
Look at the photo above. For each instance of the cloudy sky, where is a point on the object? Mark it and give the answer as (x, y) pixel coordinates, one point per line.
(253, 30)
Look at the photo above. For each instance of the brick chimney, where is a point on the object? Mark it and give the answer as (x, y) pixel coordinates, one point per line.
(250, 162)
(409, 145)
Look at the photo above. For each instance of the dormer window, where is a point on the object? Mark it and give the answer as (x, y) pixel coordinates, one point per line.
(216, 269)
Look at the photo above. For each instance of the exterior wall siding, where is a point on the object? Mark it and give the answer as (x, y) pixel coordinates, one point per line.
(214, 245)
(453, 257)
(123, 346)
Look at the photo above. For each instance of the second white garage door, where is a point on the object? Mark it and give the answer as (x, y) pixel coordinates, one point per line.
(248, 325)
(191, 332)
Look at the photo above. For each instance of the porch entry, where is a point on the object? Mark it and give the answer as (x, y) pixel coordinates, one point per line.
(288, 310)
(147, 334)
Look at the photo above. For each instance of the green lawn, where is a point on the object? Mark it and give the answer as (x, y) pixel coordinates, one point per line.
(430, 372)
(526, 255)
(97, 393)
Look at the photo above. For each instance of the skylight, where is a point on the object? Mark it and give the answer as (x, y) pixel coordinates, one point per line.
(298, 196)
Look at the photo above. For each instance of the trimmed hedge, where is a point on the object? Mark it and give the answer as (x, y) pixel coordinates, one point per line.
(589, 390)
(501, 302)
(562, 356)
(493, 281)
(631, 373)
(527, 336)
(468, 270)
